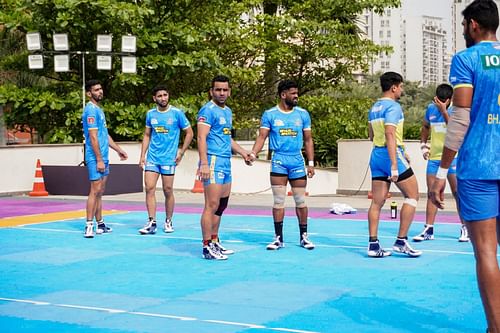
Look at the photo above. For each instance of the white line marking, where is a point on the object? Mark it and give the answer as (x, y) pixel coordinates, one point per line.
(196, 239)
(147, 314)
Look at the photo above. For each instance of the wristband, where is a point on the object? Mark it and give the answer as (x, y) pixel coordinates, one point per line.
(394, 172)
(310, 163)
(253, 154)
(441, 173)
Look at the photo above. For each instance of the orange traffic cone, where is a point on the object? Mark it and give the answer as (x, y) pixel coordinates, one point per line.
(198, 186)
(38, 183)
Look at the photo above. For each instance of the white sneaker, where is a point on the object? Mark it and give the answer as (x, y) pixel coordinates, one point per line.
(276, 244)
(149, 228)
(464, 234)
(376, 251)
(426, 234)
(89, 230)
(306, 243)
(210, 252)
(222, 249)
(402, 246)
(168, 227)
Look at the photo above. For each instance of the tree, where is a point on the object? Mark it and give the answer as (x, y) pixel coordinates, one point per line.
(183, 44)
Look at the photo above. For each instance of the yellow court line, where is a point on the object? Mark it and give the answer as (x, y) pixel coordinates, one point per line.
(49, 217)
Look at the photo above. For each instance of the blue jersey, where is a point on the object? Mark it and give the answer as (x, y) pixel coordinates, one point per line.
(386, 111)
(478, 67)
(220, 122)
(165, 128)
(438, 130)
(93, 119)
(286, 129)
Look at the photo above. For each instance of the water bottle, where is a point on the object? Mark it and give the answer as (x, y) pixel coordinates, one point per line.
(394, 210)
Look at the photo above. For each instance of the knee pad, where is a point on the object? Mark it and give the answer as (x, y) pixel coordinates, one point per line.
(222, 206)
(410, 201)
(279, 195)
(299, 195)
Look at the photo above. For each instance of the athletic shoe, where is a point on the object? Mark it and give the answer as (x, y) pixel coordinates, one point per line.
(210, 252)
(402, 246)
(426, 234)
(464, 234)
(276, 244)
(222, 249)
(89, 230)
(149, 228)
(102, 229)
(376, 251)
(168, 227)
(305, 242)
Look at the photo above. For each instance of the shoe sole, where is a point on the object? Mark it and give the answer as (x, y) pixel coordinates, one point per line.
(147, 233)
(408, 254)
(168, 231)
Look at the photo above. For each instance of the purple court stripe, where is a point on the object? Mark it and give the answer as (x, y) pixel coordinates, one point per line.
(10, 207)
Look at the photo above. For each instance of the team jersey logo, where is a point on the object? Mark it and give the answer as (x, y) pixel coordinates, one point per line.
(278, 122)
(90, 120)
(161, 130)
(222, 121)
(154, 121)
(170, 121)
(298, 123)
(288, 132)
(226, 131)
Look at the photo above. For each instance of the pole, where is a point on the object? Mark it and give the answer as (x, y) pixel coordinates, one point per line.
(83, 79)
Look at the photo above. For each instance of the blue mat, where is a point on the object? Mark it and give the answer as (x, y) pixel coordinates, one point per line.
(54, 280)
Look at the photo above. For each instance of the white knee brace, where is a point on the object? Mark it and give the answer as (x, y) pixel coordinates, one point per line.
(279, 194)
(299, 195)
(410, 201)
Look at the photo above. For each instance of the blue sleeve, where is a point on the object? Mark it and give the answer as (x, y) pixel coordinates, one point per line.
(265, 121)
(205, 117)
(427, 117)
(91, 117)
(306, 118)
(393, 114)
(183, 121)
(148, 119)
(460, 71)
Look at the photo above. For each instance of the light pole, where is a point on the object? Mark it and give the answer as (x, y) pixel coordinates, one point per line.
(62, 54)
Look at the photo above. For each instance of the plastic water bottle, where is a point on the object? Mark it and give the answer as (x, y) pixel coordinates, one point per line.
(394, 210)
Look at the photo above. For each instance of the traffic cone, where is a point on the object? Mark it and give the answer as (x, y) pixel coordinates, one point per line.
(38, 183)
(198, 186)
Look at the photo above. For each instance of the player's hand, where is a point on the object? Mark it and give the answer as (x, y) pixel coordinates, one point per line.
(100, 166)
(123, 155)
(310, 171)
(179, 157)
(436, 193)
(142, 163)
(441, 105)
(426, 150)
(394, 175)
(203, 172)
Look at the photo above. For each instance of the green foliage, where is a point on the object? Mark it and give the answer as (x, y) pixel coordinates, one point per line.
(183, 44)
(335, 119)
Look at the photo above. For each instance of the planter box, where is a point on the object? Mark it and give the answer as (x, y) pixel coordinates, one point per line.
(73, 180)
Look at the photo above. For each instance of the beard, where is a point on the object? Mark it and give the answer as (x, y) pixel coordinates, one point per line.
(291, 102)
(97, 97)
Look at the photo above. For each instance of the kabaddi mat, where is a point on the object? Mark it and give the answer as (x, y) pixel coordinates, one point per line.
(54, 280)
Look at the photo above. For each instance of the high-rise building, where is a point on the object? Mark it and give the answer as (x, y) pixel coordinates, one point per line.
(425, 57)
(419, 45)
(458, 42)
